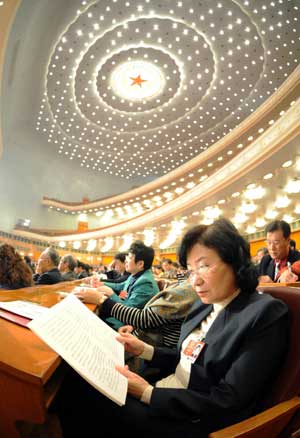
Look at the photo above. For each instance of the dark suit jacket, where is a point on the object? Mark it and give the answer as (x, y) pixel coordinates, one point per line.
(244, 350)
(49, 277)
(118, 278)
(267, 266)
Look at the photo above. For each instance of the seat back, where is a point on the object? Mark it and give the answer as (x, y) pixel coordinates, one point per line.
(287, 384)
(161, 284)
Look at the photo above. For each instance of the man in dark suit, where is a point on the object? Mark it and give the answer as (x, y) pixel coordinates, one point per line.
(47, 268)
(278, 264)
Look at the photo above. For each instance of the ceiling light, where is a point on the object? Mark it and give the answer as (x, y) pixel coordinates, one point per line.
(292, 186)
(137, 80)
(76, 244)
(288, 218)
(268, 176)
(240, 218)
(260, 223)
(250, 229)
(287, 163)
(255, 193)
(282, 202)
(108, 244)
(248, 208)
(271, 214)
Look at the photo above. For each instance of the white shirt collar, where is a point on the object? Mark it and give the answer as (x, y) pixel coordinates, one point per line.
(220, 306)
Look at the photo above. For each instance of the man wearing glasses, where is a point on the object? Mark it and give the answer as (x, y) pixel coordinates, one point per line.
(279, 265)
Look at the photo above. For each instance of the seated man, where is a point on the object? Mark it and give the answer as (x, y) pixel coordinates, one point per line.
(169, 270)
(278, 264)
(118, 272)
(66, 267)
(135, 291)
(81, 270)
(47, 268)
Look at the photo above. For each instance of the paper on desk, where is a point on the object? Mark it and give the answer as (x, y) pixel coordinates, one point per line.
(24, 308)
(87, 343)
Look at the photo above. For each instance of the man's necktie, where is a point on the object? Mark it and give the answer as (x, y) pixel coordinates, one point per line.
(276, 272)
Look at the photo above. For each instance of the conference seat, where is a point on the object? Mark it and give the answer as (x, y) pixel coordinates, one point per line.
(280, 415)
(161, 284)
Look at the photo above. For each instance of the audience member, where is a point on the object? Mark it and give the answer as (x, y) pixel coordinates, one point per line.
(29, 263)
(259, 254)
(159, 322)
(14, 272)
(139, 287)
(293, 244)
(169, 270)
(235, 332)
(66, 266)
(102, 269)
(180, 272)
(81, 270)
(47, 268)
(279, 264)
(118, 273)
(158, 271)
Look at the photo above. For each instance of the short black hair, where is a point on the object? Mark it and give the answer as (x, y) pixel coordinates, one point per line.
(142, 252)
(231, 246)
(121, 256)
(279, 225)
(81, 265)
(293, 243)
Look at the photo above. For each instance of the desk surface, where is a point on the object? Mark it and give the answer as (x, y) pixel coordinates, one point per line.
(22, 353)
(30, 371)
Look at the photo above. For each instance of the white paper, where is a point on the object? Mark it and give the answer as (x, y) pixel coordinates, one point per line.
(87, 343)
(24, 308)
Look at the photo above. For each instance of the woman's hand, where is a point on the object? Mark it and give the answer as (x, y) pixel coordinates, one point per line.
(106, 290)
(95, 281)
(88, 295)
(125, 329)
(131, 343)
(136, 384)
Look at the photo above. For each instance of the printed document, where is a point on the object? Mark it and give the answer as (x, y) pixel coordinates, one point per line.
(87, 343)
(24, 308)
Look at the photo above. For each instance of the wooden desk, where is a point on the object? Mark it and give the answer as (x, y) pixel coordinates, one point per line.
(295, 284)
(30, 371)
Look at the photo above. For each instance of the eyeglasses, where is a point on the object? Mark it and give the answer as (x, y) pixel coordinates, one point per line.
(201, 270)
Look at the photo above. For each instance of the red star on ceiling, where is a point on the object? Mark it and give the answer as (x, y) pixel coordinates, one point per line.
(138, 81)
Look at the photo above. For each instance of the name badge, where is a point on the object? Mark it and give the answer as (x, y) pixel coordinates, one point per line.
(193, 350)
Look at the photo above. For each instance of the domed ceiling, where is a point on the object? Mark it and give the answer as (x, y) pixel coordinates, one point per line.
(137, 88)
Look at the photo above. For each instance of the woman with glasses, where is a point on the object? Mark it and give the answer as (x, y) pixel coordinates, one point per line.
(211, 380)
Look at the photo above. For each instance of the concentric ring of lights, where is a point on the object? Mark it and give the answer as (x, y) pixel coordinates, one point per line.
(169, 62)
(213, 96)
